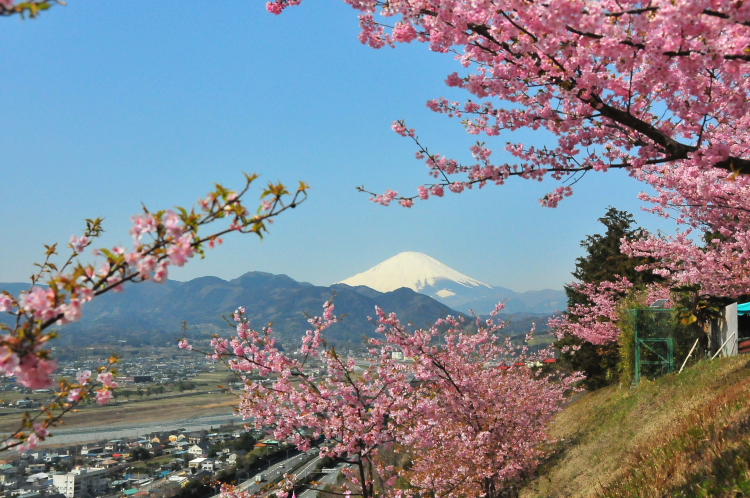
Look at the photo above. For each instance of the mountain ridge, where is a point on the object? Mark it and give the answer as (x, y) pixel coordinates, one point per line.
(151, 313)
(428, 276)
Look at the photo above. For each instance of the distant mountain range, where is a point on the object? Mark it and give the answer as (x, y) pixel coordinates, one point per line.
(152, 313)
(417, 287)
(426, 275)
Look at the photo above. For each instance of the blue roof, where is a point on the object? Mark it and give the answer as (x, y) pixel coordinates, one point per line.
(743, 309)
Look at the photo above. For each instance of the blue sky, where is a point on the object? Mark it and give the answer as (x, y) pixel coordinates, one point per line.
(104, 105)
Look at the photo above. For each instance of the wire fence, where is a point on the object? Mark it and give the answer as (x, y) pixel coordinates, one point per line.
(661, 342)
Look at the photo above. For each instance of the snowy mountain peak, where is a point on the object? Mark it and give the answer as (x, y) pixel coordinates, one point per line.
(416, 271)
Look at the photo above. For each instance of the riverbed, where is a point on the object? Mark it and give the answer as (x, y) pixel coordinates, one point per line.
(82, 434)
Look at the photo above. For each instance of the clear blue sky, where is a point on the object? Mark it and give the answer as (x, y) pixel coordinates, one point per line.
(107, 104)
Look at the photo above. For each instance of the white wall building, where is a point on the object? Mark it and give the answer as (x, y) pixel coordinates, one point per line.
(81, 482)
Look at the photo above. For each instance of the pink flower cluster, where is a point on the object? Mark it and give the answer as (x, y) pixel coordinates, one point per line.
(597, 321)
(38, 433)
(442, 401)
(711, 202)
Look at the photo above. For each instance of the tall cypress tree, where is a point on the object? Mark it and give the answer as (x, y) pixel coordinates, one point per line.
(602, 262)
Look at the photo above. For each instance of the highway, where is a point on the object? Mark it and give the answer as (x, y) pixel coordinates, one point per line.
(327, 479)
(275, 472)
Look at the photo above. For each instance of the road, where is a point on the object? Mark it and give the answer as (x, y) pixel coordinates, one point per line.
(327, 479)
(275, 472)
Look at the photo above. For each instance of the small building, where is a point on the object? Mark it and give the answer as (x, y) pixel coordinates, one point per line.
(232, 459)
(35, 468)
(199, 450)
(209, 464)
(81, 482)
(113, 446)
(181, 480)
(196, 437)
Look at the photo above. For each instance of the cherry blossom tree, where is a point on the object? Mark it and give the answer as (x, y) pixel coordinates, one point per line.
(596, 320)
(481, 411)
(465, 405)
(355, 408)
(59, 291)
(621, 84)
(657, 88)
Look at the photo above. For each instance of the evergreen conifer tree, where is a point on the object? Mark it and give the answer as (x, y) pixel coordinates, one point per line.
(602, 262)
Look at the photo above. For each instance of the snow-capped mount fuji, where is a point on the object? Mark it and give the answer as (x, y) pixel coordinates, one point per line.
(416, 271)
(426, 275)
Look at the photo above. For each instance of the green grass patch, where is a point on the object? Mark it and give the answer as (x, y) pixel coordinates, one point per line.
(680, 435)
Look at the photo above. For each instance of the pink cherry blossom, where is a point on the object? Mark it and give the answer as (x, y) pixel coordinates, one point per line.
(103, 396)
(173, 224)
(6, 303)
(83, 376)
(181, 250)
(142, 225)
(40, 430)
(79, 244)
(34, 372)
(30, 443)
(75, 395)
(107, 379)
(9, 361)
(71, 312)
(160, 276)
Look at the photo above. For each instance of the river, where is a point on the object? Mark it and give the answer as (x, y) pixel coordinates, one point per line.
(76, 435)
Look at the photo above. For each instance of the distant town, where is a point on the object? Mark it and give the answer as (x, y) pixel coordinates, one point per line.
(163, 463)
(159, 465)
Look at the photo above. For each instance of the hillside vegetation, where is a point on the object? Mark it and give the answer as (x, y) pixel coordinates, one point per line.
(680, 435)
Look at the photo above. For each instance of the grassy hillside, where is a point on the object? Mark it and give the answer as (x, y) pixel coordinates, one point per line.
(686, 435)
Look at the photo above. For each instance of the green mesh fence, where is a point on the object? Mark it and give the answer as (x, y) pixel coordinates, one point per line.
(661, 342)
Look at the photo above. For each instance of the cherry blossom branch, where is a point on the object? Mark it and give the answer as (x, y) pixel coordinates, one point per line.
(30, 8)
(161, 239)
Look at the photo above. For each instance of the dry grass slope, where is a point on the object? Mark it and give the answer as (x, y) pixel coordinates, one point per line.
(686, 435)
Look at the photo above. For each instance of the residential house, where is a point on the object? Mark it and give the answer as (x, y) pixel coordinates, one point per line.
(209, 464)
(35, 468)
(196, 437)
(232, 458)
(113, 446)
(199, 450)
